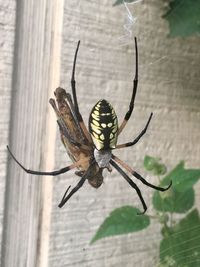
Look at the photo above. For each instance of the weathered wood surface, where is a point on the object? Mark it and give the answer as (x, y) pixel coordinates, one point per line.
(35, 75)
(168, 85)
(7, 35)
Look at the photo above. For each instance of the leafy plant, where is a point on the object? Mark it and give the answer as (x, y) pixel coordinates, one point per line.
(183, 17)
(180, 244)
(121, 221)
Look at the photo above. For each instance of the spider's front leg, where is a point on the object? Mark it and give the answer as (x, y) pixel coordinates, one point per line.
(52, 173)
(63, 128)
(76, 107)
(135, 83)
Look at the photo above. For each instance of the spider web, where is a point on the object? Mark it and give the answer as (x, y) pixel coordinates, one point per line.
(129, 22)
(128, 35)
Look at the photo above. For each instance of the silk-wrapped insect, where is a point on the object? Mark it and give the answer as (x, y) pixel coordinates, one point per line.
(92, 151)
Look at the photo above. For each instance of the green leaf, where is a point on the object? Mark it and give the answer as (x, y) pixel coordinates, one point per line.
(160, 169)
(182, 246)
(149, 162)
(122, 220)
(183, 179)
(153, 164)
(173, 201)
(119, 2)
(183, 17)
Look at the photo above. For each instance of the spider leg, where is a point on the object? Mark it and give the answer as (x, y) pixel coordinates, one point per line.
(66, 133)
(132, 184)
(61, 95)
(63, 128)
(69, 100)
(138, 137)
(73, 85)
(135, 83)
(138, 176)
(53, 173)
(76, 188)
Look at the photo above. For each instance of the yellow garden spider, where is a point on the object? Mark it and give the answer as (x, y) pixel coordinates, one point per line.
(91, 151)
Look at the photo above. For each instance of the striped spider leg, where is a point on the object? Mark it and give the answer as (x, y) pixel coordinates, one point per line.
(116, 160)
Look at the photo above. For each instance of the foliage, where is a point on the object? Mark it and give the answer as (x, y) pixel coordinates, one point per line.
(180, 238)
(181, 242)
(122, 220)
(183, 17)
(153, 165)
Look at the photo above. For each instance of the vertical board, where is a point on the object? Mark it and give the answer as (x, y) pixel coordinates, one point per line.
(7, 33)
(36, 73)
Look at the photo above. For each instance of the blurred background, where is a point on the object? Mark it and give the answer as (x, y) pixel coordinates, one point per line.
(38, 42)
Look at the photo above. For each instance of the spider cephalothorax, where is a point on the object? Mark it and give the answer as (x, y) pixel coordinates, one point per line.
(91, 151)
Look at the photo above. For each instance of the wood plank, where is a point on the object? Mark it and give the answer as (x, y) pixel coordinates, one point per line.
(36, 74)
(7, 34)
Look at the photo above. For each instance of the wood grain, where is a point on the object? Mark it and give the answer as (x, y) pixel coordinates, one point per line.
(32, 133)
(7, 33)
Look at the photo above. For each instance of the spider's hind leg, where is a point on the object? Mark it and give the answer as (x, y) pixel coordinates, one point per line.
(138, 176)
(131, 183)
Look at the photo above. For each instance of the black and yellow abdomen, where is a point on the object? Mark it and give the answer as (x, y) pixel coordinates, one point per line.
(103, 125)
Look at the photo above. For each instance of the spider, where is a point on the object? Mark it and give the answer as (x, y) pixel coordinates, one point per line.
(91, 151)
